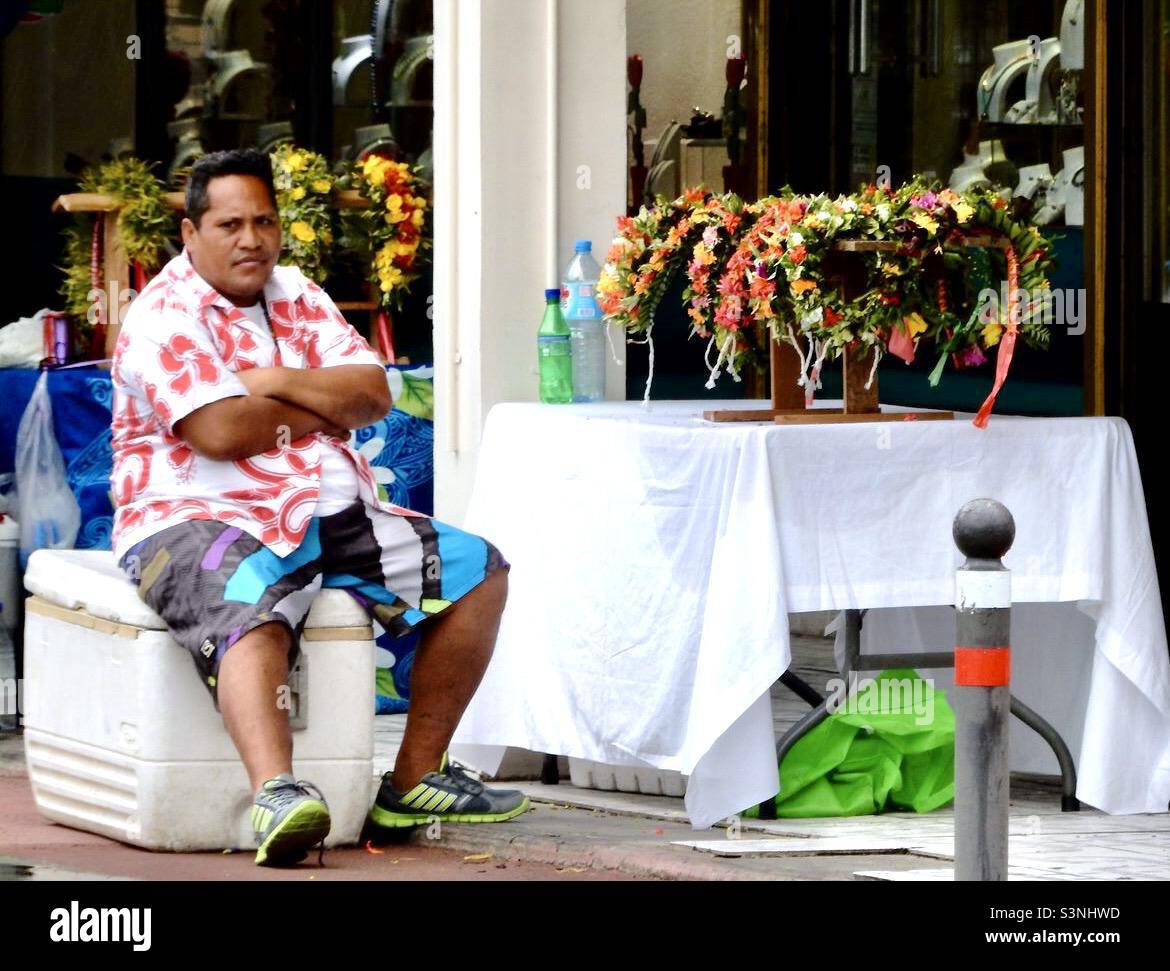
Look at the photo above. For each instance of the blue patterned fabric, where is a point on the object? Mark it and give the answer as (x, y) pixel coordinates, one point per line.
(399, 447)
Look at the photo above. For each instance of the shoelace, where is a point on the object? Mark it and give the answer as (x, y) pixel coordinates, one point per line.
(466, 782)
(284, 792)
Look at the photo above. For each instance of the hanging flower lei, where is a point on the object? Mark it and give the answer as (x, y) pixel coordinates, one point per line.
(761, 266)
(395, 225)
(642, 261)
(303, 187)
(716, 315)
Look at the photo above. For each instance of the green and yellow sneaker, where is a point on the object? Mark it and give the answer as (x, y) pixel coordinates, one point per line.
(288, 819)
(450, 795)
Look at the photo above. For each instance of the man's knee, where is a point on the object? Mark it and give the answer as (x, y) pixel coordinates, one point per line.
(269, 641)
(490, 595)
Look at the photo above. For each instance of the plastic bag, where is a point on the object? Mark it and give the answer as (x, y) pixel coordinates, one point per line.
(22, 343)
(895, 757)
(46, 508)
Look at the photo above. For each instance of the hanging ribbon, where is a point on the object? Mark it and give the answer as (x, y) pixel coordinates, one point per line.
(97, 337)
(385, 336)
(1007, 344)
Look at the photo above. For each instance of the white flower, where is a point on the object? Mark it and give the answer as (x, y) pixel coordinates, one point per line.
(795, 239)
(394, 382)
(372, 449)
(812, 317)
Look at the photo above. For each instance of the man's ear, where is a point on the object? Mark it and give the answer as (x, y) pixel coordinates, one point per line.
(188, 230)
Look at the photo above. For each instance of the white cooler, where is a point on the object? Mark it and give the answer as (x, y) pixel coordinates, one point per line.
(122, 738)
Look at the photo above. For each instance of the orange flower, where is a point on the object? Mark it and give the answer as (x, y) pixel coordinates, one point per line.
(762, 288)
(616, 252)
(797, 254)
(800, 286)
(694, 196)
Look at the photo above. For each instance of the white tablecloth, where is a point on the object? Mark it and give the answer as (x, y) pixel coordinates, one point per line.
(656, 557)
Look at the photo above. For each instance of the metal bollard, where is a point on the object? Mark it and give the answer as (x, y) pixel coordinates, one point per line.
(983, 530)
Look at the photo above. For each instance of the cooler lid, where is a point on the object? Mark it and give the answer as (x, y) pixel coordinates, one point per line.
(90, 580)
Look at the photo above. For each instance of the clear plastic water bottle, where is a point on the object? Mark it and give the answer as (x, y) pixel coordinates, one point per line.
(554, 353)
(583, 316)
(9, 709)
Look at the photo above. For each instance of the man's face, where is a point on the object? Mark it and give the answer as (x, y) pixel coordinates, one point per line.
(237, 242)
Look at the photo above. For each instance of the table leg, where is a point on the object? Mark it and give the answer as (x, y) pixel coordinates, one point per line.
(1068, 770)
(550, 771)
(801, 688)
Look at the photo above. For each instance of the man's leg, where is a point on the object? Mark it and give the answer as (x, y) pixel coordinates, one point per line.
(249, 683)
(448, 666)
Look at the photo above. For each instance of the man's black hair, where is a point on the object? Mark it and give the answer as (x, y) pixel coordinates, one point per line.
(239, 161)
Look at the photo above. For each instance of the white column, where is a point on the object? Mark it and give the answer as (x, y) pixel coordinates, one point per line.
(497, 175)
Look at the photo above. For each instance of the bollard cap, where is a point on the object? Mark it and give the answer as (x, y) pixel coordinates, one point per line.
(984, 530)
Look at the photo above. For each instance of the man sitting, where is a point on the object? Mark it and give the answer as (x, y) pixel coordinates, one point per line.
(236, 384)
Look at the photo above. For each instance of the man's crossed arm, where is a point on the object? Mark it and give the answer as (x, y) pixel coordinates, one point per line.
(291, 400)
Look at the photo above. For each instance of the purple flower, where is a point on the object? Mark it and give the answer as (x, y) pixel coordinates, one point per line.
(971, 357)
(928, 201)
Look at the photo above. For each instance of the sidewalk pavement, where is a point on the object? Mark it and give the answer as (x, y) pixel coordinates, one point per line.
(582, 834)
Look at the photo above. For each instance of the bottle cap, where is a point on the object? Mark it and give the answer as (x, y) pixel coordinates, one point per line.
(583, 246)
(553, 293)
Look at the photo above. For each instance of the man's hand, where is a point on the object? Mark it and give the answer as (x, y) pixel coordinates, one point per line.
(347, 396)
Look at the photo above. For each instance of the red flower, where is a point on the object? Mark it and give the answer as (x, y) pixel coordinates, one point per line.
(181, 357)
(797, 254)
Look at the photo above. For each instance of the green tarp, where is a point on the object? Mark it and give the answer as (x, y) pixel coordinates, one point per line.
(890, 745)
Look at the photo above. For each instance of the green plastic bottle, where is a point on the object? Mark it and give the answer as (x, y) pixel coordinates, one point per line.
(554, 353)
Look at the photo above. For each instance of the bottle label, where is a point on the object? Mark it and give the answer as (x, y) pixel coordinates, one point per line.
(582, 302)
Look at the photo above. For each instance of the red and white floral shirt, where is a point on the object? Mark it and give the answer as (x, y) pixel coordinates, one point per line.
(179, 349)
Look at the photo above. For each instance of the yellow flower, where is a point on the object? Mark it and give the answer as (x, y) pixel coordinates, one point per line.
(963, 210)
(298, 193)
(925, 221)
(417, 218)
(991, 333)
(374, 170)
(295, 162)
(914, 324)
(703, 256)
(321, 185)
(390, 278)
(302, 231)
(891, 269)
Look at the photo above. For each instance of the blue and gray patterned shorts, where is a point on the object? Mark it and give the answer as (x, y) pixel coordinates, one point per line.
(212, 583)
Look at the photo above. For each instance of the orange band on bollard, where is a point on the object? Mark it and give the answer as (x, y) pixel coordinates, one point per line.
(983, 667)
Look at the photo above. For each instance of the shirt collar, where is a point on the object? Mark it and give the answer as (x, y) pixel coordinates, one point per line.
(284, 283)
